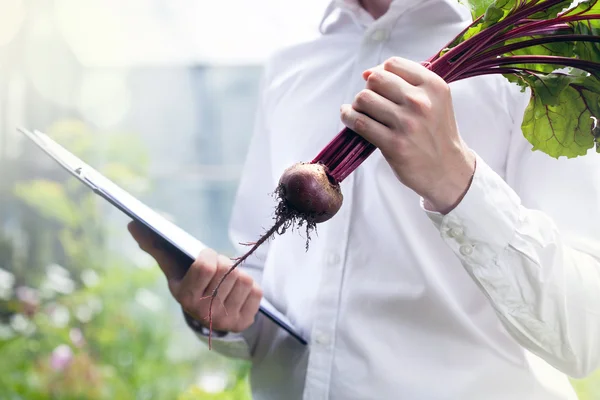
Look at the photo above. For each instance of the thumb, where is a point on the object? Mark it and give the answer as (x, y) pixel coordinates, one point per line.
(153, 244)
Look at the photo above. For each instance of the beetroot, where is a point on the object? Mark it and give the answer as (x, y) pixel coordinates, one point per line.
(308, 192)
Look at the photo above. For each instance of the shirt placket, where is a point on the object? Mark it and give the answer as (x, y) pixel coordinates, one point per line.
(318, 377)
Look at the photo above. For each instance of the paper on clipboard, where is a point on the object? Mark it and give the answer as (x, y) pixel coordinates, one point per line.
(180, 241)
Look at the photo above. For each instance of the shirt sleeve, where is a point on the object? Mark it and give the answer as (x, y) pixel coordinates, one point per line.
(252, 212)
(531, 242)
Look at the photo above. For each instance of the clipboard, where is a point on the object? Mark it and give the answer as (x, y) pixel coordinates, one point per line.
(184, 246)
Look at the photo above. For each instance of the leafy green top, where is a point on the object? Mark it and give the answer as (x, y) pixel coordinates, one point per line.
(548, 46)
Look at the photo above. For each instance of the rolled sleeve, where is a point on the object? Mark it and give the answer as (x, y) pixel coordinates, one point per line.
(542, 281)
(487, 215)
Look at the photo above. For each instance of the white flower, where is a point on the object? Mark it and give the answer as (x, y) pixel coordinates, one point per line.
(83, 313)
(7, 281)
(21, 324)
(5, 293)
(58, 280)
(89, 277)
(213, 382)
(60, 316)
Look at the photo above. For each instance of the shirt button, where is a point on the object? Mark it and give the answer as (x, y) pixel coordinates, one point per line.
(333, 259)
(379, 35)
(456, 233)
(321, 339)
(466, 250)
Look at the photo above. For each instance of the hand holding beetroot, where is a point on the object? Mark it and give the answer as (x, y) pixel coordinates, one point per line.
(406, 111)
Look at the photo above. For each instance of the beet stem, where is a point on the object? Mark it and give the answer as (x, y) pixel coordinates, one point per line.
(331, 149)
(344, 153)
(343, 173)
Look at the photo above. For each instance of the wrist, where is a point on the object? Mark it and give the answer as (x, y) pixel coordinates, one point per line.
(450, 190)
(199, 327)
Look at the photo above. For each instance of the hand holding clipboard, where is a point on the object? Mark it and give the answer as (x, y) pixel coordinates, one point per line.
(179, 243)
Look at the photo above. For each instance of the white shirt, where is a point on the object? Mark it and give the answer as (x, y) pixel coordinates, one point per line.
(497, 300)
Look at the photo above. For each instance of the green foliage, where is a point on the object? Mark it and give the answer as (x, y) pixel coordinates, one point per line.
(558, 119)
(99, 327)
(118, 345)
(588, 7)
(239, 392)
(50, 200)
(70, 210)
(563, 75)
(477, 7)
(120, 352)
(561, 49)
(589, 388)
(495, 11)
(489, 13)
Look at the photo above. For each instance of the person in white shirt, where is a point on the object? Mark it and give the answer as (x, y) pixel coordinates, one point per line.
(462, 264)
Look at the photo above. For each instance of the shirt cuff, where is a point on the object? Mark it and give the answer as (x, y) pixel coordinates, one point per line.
(487, 215)
(229, 344)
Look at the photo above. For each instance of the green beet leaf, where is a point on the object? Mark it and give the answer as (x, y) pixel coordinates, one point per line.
(551, 11)
(585, 8)
(558, 119)
(543, 45)
(563, 49)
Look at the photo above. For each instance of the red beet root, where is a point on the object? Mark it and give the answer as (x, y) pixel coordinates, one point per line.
(310, 193)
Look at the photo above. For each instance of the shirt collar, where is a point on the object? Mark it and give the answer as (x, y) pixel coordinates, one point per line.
(339, 10)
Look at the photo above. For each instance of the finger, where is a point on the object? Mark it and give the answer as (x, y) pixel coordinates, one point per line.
(150, 243)
(374, 132)
(377, 107)
(252, 303)
(389, 86)
(239, 293)
(412, 72)
(227, 285)
(140, 234)
(193, 285)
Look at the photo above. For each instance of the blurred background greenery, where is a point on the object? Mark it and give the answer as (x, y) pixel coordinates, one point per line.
(77, 319)
(159, 95)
